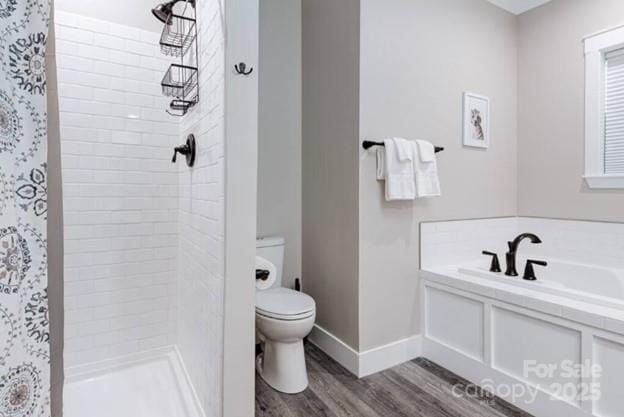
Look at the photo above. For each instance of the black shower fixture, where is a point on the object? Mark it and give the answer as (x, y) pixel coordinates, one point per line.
(163, 11)
(189, 150)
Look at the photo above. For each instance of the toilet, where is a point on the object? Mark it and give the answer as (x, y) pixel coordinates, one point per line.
(283, 318)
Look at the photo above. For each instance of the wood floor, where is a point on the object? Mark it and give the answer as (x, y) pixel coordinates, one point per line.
(414, 389)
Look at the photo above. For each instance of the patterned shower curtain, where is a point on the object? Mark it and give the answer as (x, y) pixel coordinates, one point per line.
(24, 327)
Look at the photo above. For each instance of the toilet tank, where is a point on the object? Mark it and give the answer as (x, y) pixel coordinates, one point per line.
(272, 249)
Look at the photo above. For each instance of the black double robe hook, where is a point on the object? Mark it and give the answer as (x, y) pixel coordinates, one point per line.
(242, 69)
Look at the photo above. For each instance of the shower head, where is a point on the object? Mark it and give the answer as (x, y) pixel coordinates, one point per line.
(164, 10)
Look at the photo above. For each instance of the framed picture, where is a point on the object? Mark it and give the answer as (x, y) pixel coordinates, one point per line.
(476, 120)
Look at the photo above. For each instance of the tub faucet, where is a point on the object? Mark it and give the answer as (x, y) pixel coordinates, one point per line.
(513, 249)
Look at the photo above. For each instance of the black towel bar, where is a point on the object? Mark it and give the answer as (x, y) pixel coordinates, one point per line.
(367, 144)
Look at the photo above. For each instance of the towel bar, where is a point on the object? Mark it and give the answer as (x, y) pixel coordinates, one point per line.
(367, 144)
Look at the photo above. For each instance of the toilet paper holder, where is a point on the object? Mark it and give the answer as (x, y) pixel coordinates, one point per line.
(262, 274)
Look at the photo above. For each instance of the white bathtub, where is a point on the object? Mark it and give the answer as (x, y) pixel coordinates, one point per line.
(588, 283)
(485, 326)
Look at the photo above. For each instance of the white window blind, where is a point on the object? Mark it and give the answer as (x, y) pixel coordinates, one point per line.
(614, 112)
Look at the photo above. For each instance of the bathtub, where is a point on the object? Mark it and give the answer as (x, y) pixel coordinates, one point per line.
(519, 338)
(589, 283)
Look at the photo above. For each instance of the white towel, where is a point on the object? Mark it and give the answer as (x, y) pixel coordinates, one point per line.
(426, 151)
(399, 174)
(404, 152)
(381, 163)
(404, 149)
(426, 170)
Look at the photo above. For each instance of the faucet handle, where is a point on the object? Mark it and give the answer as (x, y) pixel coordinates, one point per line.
(529, 271)
(182, 149)
(188, 149)
(495, 266)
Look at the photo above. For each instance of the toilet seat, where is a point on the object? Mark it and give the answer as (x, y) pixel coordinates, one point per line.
(284, 304)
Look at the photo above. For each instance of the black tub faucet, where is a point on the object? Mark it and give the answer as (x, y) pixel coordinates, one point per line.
(513, 249)
(495, 265)
(529, 271)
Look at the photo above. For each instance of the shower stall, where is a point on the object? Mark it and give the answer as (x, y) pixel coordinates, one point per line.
(143, 236)
(151, 258)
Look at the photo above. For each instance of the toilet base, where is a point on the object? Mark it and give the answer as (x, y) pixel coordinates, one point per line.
(282, 366)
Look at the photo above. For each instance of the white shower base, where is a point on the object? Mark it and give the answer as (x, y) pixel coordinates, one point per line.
(155, 386)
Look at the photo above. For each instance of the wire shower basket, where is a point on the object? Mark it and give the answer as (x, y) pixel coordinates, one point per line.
(179, 39)
(179, 81)
(178, 35)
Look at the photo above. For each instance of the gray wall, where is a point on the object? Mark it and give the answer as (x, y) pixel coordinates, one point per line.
(55, 232)
(330, 44)
(417, 57)
(241, 167)
(279, 129)
(551, 110)
(136, 13)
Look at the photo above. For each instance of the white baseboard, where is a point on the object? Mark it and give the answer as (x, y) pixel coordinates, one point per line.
(370, 361)
(335, 348)
(390, 355)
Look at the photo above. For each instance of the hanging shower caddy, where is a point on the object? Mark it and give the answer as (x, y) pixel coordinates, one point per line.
(179, 37)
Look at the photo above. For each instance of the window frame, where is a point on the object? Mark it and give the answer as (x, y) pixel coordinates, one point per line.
(596, 47)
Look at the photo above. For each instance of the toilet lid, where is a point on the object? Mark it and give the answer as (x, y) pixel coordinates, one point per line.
(283, 303)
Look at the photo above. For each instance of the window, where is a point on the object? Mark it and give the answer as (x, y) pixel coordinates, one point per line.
(614, 113)
(604, 109)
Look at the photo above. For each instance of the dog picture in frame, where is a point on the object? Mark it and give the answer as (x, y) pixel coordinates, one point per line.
(476, 120)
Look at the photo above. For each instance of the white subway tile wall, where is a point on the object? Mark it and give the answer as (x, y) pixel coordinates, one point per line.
(595, 243)
(201, 220)
(460, 241)
(120, 191)
(456, 242)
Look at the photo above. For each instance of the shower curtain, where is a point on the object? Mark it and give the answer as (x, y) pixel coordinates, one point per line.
(24, 326)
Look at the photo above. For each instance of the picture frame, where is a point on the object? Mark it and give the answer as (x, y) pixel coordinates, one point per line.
(476, 120)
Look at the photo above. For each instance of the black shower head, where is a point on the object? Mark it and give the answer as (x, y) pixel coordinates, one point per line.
(164, 10)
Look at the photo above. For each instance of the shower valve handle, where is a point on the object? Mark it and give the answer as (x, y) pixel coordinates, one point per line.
(188, 150)
(182, 149)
